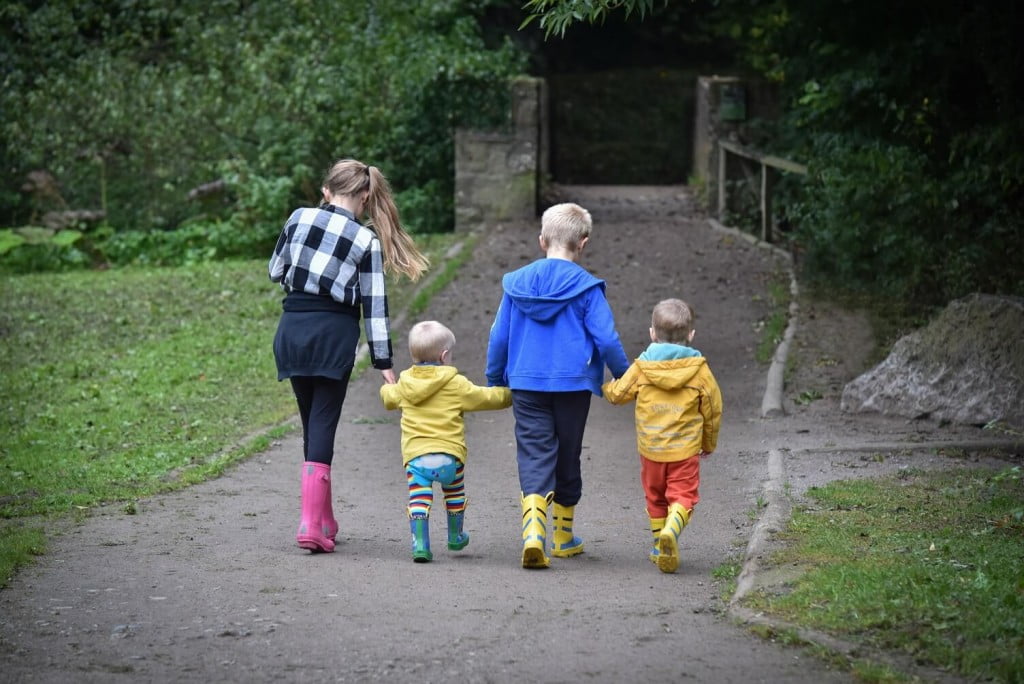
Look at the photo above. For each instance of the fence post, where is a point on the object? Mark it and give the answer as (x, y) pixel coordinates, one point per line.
(767, 181)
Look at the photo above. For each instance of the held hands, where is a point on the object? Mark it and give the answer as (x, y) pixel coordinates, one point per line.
(389, 376)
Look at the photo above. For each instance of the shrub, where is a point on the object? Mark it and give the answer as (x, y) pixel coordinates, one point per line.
(132, 111)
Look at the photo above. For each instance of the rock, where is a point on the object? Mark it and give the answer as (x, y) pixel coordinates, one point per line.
(966, 366)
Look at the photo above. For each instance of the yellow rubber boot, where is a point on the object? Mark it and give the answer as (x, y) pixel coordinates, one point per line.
(535, 530)
(656, 526)
(668, 540)
(563, 542)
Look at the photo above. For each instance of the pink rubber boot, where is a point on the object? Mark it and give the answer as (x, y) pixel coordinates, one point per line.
(316, 487)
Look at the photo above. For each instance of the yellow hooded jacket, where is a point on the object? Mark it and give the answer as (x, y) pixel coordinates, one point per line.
(433, 400)
(678, 406)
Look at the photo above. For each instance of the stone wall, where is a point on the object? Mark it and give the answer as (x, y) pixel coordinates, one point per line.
(498, 174)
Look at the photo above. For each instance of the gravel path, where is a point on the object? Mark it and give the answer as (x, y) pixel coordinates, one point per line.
(208, 585)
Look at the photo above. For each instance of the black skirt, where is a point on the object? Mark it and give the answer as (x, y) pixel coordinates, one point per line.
(316, 342)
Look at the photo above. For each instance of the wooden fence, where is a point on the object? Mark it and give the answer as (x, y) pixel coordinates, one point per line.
(766, 181)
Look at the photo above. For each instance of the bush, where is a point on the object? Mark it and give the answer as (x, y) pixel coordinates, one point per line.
(912, 129)
(855, 208)
(132, 111)
(880, 219)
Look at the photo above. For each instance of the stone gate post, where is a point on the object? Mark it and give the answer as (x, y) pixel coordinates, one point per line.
(498, 174)
(724, 104)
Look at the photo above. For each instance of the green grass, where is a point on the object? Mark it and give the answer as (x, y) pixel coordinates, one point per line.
(447, 272)
(773, 328)
(120, 384)
(726, 576)
(925, 564)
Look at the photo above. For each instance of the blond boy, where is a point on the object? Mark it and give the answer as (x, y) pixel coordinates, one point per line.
(433, 397)
(552, 337)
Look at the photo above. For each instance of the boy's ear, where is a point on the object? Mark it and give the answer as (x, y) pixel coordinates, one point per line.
(543, 243)
(583, 243)
(654, 338)
(689, 338)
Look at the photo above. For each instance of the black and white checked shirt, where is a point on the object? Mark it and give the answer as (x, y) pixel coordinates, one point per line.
(325, 251)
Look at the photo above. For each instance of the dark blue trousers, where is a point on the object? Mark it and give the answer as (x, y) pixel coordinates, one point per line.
(549, 439)
(319, 401)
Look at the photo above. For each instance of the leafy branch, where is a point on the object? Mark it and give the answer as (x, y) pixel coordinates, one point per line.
(555, 16)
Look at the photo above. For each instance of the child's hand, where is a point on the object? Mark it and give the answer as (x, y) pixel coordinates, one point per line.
(703, 454)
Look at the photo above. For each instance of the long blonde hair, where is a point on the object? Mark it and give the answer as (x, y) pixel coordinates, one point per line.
(351, 177)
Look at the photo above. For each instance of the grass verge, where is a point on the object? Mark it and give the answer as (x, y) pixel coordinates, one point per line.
(922, 564)
(125, 383)
(773, 328)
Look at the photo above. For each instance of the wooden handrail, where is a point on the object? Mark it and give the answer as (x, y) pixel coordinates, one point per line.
(766, 161)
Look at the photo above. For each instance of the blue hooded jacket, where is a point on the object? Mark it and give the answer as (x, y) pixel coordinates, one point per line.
(554, 331)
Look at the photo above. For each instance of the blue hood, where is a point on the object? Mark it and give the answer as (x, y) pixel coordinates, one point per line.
(554, 331)
(543, 288)
(667, 351)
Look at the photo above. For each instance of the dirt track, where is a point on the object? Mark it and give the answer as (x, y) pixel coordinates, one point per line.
(208, 585)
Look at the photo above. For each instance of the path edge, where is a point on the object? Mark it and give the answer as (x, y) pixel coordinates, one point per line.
(772, 400)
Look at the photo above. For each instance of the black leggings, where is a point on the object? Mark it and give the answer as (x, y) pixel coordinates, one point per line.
(320, 401)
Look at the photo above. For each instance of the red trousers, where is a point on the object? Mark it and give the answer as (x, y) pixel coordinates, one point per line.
(669, 483)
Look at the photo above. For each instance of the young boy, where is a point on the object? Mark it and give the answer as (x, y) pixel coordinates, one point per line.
(678, 413)
(552, 337)
(433, 397)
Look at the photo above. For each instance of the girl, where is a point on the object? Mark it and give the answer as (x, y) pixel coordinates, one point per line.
(332, 268)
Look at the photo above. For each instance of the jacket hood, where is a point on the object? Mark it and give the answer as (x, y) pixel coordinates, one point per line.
(673, 374)
(542, 289)
(666, 351)
(419, 383)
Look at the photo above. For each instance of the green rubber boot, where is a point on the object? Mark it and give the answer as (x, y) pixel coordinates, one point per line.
(420, 528)
(457, 539)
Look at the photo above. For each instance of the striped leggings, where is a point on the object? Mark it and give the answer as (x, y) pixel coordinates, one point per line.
(421, 487)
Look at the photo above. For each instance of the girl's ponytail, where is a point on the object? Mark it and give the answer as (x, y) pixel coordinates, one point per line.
(352, 178)
(400, 252)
